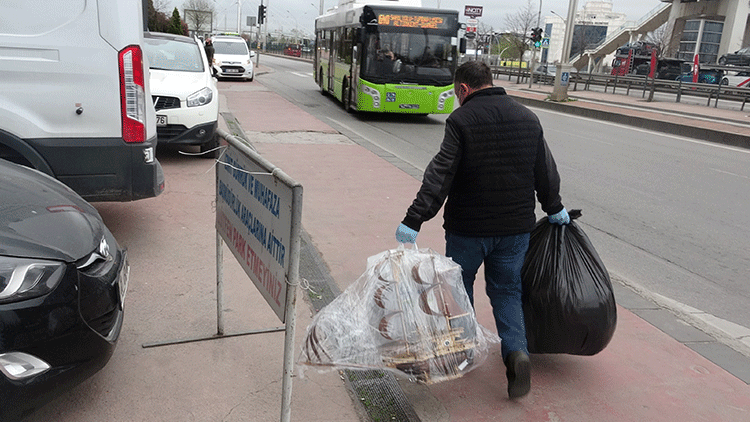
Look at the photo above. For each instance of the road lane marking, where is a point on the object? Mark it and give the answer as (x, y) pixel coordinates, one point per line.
(729, 173)
(302, 75)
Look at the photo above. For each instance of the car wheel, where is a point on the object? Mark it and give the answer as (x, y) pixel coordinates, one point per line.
(723, 61)
(725, 81)
(212, 146)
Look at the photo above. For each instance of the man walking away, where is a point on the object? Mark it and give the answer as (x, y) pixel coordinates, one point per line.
(492, 161)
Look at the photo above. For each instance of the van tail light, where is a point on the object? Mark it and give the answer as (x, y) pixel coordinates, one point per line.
(132, 93)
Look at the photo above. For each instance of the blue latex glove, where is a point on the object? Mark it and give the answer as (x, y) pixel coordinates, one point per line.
(405, 234)
(561, 217)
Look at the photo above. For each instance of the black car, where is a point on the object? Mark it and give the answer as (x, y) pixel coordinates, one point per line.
(668, 69)
(639, 48)
(63, 279)
(740, 58)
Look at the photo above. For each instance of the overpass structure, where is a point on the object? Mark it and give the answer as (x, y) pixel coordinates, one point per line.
(628, 32)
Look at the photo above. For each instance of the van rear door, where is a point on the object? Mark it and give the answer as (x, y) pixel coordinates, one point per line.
(67, 106)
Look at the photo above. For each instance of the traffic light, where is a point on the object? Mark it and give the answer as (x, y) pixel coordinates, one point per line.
(536, 34)
(261, 14)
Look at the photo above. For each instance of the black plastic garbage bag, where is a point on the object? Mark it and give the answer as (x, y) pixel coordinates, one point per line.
(568, 302)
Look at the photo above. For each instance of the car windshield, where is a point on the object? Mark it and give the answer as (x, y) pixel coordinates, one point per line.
(173, 55)
(229, 47)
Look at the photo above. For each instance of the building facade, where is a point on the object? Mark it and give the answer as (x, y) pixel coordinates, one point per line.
(593, 23)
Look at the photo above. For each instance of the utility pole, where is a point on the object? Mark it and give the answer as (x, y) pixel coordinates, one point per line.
(261, 19)
(239, 16)
(533, 51)
(560, 90)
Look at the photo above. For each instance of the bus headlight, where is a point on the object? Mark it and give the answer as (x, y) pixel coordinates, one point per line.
(443, 98)
(374, 93)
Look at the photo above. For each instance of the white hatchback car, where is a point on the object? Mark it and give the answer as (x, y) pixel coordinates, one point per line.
(737, 79)
(184, 92)
(232, 57)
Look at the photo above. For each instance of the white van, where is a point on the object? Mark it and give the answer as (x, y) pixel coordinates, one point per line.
(232, 57)
(74, 96)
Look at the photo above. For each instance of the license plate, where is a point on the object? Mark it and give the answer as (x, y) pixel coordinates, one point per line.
(124, 278)
(233, 71)
(161, 120)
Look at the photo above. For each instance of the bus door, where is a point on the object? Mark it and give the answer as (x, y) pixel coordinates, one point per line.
(333, 43)
(357, 42)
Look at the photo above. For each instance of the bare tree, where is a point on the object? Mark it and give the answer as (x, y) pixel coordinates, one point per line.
(161, 6)
(665, 38)
(199, 15)
(483, 39)
(519, 26)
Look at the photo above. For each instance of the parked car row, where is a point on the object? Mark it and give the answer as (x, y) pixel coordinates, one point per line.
(74, 130)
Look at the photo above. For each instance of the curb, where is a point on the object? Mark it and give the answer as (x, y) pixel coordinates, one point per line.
(730, 334)
(704, 134)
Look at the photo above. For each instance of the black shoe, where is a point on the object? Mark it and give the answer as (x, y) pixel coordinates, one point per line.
(518, 371)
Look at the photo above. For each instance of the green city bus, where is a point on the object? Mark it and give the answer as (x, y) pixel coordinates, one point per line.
(388, 58)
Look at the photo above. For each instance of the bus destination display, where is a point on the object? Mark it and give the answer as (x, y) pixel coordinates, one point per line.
(412, 21)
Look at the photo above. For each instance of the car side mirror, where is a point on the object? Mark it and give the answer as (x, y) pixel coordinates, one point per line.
(252, 53)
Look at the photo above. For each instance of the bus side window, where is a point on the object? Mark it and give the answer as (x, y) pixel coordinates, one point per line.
(346, 48)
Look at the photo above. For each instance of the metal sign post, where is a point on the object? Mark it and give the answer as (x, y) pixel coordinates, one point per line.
(259, 217)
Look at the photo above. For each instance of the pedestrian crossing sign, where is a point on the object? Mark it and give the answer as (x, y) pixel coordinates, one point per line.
(545, 42)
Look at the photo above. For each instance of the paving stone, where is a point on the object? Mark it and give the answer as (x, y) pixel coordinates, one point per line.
(732, 361)
(677, 329)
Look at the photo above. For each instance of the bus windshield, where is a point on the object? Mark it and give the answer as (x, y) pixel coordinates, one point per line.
(403, 56)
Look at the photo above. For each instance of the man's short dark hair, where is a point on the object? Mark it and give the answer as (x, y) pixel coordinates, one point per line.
(473, 73)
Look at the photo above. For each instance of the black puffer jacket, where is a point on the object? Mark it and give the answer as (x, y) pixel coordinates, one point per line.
(492, 160)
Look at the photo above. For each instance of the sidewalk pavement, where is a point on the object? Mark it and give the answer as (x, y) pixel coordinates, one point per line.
(353, 201)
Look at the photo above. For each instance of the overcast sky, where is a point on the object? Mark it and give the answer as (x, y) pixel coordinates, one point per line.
(301, 14)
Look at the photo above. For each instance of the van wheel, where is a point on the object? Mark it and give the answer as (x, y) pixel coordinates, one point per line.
(213, 144)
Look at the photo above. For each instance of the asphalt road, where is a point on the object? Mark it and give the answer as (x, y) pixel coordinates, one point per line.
(665, 212)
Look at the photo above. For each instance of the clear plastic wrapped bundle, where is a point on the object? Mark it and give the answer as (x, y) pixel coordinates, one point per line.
(409, 312)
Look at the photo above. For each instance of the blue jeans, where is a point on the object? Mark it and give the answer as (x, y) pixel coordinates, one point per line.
(503, 258)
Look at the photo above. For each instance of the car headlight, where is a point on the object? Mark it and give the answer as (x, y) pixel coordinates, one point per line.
(22, 278)
(200, 98)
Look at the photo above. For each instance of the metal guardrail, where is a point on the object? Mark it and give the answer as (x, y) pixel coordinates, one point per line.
(647, 86)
